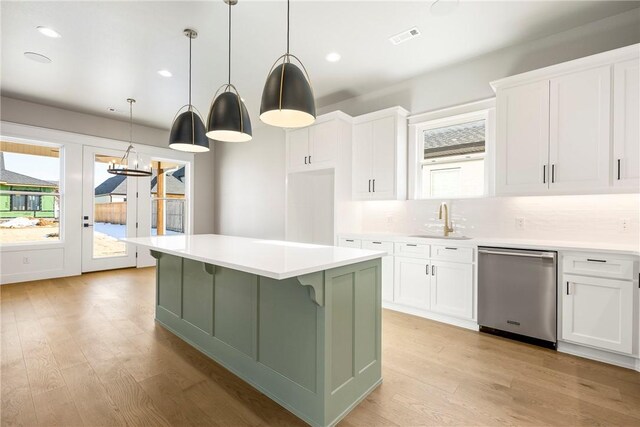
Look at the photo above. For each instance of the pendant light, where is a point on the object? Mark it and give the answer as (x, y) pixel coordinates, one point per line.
(129, 164)
(188, 132)
(287, 98)
(228, 116)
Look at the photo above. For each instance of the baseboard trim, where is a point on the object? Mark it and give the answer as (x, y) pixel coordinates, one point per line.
(443, 318)
(624, 361)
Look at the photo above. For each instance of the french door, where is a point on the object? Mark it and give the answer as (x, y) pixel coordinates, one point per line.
(108, 212)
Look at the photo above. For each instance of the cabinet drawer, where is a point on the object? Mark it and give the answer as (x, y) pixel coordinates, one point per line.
(451, 253)
(415, 250)
(378, 245)
(601, 266)
(349, 243)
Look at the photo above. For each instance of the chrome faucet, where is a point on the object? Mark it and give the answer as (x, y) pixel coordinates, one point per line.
(448, 228)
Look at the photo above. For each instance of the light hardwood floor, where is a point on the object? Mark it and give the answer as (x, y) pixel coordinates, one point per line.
(85, 351)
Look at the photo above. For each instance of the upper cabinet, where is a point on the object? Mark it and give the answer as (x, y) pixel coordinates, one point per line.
(317, 146)
(626, 124)
(380, 155)
(557, 127)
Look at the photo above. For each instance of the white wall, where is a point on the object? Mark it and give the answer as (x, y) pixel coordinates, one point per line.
(29, 113)
(250, 185)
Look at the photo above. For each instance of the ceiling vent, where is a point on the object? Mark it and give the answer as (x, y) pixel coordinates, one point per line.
(404, 36)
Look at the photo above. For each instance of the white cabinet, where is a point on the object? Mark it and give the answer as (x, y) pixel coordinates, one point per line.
(350, 243)
(626, 124)
(452, 288)
(380, 155)
(412, 282)
(555, 126)
(313, 147)
(598, 312)
(579, 130)
(522, 150)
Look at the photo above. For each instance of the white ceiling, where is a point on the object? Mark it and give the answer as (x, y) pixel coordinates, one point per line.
(112, 50)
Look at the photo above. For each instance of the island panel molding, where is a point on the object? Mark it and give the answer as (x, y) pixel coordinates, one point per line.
(311, 342)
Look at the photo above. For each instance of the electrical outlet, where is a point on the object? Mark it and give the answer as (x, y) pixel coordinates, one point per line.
(624, 225)
(520, 223)
(25, 260)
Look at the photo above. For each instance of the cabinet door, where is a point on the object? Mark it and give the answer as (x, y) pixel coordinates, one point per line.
(626, 124)
(298, 149)
(362, 158)
(323, 140)
(452, 288)
(579, 130)
(383, 170)
(598, 312)
(412, 281)
(522, 139)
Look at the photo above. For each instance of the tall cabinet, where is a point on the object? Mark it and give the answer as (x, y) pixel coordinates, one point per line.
(380, 155)
(567, 129)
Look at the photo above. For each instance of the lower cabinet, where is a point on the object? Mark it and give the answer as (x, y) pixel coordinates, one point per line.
(412, 282)
(452, 288)
(598, 312)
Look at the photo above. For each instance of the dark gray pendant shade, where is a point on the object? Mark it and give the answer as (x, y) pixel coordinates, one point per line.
(229, 119)
(287, 98)
(188, 133)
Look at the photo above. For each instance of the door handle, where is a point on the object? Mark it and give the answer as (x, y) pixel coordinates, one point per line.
(305, 160)
(553, 173)
(309, 159)
(544, 174)
(87, 225)
(568, 288)
(369, 186)
(618, 169)
(426, 270)
(374, 185)
(433, 270)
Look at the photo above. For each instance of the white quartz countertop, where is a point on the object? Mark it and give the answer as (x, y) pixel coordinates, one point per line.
(524, 243)
(270, 258)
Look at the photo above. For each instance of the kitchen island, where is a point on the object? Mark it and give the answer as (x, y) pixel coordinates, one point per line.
(299, 322)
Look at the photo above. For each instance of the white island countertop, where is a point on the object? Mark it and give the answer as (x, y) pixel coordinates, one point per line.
(270, 258)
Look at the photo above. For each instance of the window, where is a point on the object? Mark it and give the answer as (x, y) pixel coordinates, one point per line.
(29, 192)
(168, 198)
(452, 156)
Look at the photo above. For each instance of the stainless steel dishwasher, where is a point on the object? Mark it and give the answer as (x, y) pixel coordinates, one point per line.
(517, 294)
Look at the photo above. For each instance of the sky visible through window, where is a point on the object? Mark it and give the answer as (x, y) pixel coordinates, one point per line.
(42, 167)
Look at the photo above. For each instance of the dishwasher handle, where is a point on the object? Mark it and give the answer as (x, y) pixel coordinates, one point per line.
(528, 255)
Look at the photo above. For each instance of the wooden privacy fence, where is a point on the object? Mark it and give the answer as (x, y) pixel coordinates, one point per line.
(112, 213)
(116, 213)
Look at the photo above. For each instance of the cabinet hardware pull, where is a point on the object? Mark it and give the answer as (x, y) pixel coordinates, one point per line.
(618, 169)
(553, 173)
(377, 243)
(596, 260)
(374, 185)
(411, 244)
(369, 186)
(349, 240)
(544, 174)
(568, 288)
(433, 270)
(451, 249)
(309, 159)
(426, 270)
(305, 160)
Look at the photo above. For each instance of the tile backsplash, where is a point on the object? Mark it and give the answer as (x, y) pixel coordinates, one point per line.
(613, 218)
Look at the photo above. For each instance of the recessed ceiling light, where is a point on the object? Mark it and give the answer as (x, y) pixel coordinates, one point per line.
(49, 32)
(443, 7)
(333, 57)
(165, 73)
(37, 57)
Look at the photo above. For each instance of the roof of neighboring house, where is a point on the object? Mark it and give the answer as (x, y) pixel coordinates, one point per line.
(117, 184)
(14, 178)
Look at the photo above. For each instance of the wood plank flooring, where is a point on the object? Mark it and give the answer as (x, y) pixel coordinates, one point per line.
(86, 351)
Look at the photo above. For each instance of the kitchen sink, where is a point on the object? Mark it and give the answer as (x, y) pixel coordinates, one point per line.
(435, 236)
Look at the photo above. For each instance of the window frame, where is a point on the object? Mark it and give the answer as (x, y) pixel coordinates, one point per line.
(481, 110)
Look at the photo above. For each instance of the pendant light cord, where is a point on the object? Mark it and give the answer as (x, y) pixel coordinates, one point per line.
(190, 40)
(287, 27)
(229, 42)
(130, 124)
